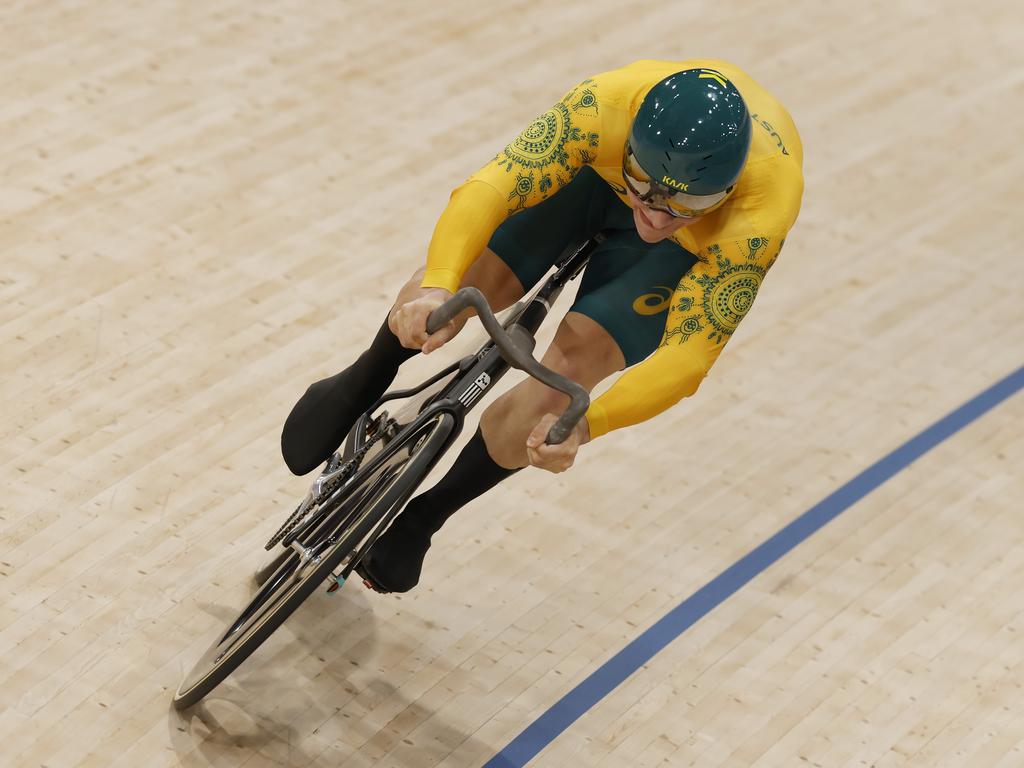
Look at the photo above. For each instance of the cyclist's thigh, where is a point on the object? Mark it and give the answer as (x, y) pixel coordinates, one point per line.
(531, 241)
(495, 279)
(627, 289)
(582, 350)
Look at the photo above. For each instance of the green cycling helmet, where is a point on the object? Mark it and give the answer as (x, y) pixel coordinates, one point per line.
(691, 137)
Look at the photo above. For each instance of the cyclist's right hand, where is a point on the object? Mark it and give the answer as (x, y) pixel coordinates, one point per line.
(408, 321)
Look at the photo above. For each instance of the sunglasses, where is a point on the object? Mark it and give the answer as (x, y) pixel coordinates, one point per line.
(660, 197)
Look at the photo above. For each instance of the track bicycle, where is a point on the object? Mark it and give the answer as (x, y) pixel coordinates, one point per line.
(383, 460)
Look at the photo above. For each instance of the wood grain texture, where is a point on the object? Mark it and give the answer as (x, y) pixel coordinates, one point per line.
(206, 206)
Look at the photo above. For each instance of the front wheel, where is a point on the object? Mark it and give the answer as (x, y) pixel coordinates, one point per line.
(264, 572)
(295, 576)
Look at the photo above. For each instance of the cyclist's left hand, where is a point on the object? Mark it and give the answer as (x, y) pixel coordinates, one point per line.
(555, 458)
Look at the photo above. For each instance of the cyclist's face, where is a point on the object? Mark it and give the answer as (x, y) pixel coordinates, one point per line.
(654, 226)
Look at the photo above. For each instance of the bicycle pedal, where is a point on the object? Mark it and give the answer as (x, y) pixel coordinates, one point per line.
(370, 585)
(337, 582)
(368, 582)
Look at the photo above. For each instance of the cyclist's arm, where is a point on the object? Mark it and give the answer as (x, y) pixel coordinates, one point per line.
(708, 304)
(543, 159)
(473, 212)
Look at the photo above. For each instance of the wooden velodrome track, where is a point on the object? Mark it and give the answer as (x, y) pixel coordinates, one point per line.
(205, 206)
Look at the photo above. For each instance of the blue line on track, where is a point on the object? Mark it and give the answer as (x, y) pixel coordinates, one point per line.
(574, 704)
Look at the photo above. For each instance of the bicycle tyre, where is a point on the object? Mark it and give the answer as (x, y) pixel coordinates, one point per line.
(199, 682)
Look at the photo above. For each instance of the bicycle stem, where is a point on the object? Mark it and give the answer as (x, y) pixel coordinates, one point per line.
(516, 346)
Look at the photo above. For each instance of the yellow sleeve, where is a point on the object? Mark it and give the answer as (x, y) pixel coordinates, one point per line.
(473, 213)
(545, 157)
(707, 306)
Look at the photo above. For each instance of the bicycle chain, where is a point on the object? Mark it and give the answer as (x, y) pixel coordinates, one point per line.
(301, 511)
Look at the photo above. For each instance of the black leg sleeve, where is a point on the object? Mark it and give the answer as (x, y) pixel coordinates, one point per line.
(326, 412)
(395, 561)
(473, 474)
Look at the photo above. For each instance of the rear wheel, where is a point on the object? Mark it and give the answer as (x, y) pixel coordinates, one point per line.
(295, 573)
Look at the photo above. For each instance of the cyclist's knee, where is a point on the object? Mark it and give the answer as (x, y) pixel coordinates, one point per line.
(583, 351)
(547, 400)
(531, 399)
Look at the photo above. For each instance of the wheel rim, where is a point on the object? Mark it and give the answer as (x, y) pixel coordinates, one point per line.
(284, 582)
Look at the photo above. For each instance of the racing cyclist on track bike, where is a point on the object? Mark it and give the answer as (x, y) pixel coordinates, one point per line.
(692, 171)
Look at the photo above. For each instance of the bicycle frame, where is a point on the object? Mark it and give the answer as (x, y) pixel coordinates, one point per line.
(477, 373)
(355, 498)
(481, 371)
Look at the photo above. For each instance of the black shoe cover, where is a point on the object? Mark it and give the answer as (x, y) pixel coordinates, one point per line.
(395, 560)
(320, 420)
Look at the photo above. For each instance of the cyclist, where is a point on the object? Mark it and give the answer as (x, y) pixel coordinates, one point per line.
(691, 168)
